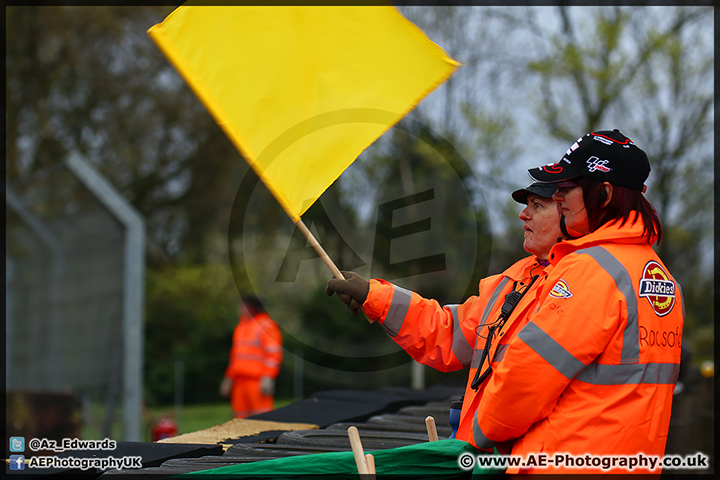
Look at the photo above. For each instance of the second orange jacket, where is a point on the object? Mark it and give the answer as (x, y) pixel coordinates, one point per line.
(257, 348)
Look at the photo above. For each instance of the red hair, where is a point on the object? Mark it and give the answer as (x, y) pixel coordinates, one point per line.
(623, 204)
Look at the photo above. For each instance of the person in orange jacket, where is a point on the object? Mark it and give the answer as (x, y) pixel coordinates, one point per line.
(594, 369)
(475, 333)
(255, 360)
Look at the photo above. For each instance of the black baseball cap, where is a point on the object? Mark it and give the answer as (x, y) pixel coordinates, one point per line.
(605, 155)
(544, 190)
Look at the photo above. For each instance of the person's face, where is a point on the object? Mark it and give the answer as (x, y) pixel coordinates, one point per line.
(542, 225)
(569, 197)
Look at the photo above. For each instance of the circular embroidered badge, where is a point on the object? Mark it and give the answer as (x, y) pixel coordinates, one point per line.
(561, 290)
(656, 286)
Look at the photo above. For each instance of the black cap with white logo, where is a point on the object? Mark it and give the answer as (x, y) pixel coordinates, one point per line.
(604, 155)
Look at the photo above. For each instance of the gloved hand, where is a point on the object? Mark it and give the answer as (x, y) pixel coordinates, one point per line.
(225, 387)
(352, 291)
(267, 385)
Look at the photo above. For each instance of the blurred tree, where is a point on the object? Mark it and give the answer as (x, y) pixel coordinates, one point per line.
(364, 355)
(190, 314)
(477, 110)
(431, 225)
(493, 138)
(88, 79)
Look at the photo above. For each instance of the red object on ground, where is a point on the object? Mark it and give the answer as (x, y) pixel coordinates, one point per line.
(164, 428)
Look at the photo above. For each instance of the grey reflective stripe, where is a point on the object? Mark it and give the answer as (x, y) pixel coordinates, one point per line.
(500, 352)
(631, 342)
(399, 307)
(247, 343)
(680, 297)
(460, 346)
(655, 373)
(484, 317)
(553, 353)
(481, 441)
(493, 299)
(249, 356)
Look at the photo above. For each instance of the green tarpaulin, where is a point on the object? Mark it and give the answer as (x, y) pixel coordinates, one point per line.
(439, 460)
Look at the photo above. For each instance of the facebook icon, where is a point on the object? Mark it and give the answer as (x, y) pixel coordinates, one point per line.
(17, 462)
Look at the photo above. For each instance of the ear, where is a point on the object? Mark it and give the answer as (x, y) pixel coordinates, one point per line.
(606, 194)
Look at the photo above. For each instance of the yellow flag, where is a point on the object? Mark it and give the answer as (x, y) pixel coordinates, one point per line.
(302, 91)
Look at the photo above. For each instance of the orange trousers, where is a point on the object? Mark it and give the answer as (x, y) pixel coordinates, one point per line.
(246, 398)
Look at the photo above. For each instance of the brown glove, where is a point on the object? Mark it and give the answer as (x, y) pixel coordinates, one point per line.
(352, 291)
(267, 385)
(225, 387)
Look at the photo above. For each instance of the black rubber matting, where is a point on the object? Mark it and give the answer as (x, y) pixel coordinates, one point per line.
(334, 406)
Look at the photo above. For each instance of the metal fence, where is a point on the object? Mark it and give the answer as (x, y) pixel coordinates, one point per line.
(75, 261)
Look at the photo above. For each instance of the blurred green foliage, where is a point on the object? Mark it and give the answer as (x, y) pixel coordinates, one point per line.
(190, 313)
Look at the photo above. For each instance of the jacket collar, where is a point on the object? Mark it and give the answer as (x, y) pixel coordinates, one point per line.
(612, 232)
(525, 268)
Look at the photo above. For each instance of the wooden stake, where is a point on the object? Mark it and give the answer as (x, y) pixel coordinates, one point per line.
(357, 450)
(370, 463)
(323, 254)
(432, 431)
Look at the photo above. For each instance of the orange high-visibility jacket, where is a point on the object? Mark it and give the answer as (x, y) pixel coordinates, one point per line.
(257, 348)
(446, 337)
(593, 371)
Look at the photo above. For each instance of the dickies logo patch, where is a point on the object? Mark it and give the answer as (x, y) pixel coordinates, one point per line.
(656, 286)
(561, 290)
